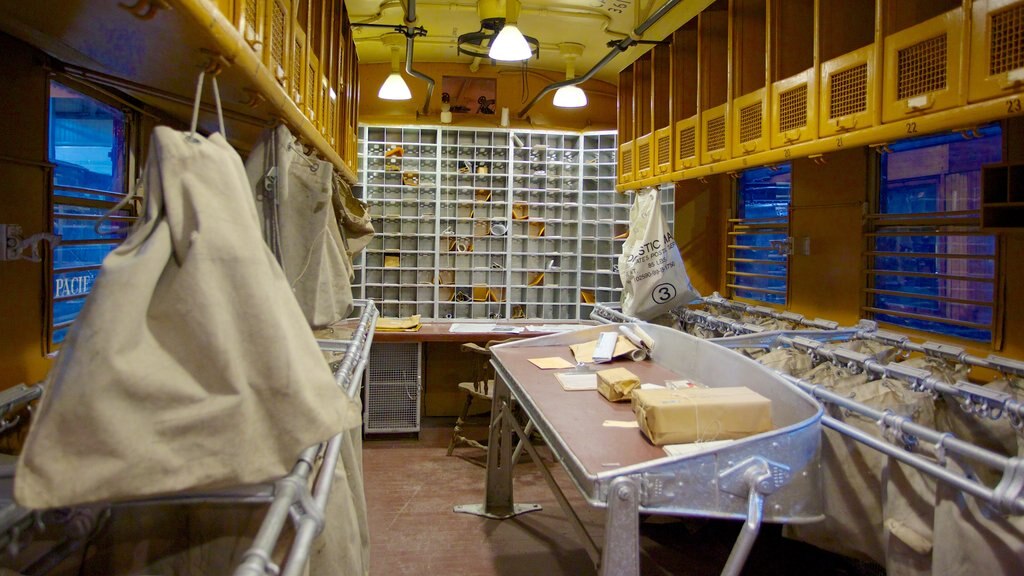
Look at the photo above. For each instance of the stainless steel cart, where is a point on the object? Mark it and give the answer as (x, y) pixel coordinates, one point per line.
(771, 477)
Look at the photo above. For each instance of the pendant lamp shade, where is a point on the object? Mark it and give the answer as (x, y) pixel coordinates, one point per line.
(394, 88)
(570, 97)
(510, 45)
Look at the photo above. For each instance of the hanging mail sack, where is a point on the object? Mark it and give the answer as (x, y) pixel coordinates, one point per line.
(654, 279)
(354, 220)
(190, 365)
(296, 207)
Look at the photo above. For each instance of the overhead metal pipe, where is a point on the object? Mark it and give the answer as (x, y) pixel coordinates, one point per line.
(410, 20)
(621, 46)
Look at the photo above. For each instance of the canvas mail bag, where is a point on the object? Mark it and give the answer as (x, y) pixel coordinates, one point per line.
(295, 203)
(654, 279)
(191, 365)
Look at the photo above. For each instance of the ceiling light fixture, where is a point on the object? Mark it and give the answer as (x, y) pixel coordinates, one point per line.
(510, 45)
(570, 96)
(394, 87)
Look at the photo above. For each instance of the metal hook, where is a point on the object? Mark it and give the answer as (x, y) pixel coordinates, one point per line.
(145, 9)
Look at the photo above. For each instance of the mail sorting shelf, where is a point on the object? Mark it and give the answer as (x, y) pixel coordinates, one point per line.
(544, 260)
(401, 175)
(772, 477)
(473, 213)
(603, 215)
(492, 223)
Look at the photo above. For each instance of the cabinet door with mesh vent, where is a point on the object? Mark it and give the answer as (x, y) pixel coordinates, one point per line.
(686, 143)
(848, 92)
(794, 111)
(997, 51)
(250, 23)
(922, 67)
(278, 34)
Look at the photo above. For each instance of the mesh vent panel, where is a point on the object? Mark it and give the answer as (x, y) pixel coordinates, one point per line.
(250, 14)
(392, 388)
(921, 68)
(297, 66)
(627, 161)
(277, 33)
(665, 149)
(715, 131)
(310, 86)
(849, 92)
(793, 108)
(750, 122)
(687, 142)
(643, 154)
(1006, 42)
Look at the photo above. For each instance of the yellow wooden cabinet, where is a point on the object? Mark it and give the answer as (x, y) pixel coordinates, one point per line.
(626, 164)
(794, 109)
(997, 49)
(687, 132)
(714, 132)
(749, 123)
(849, 94)
(922, 67)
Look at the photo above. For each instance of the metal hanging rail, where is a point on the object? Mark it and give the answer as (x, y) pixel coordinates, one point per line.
(975, 399)
(798, 319)
(292, 495)
(289, 497)
(1007, 497)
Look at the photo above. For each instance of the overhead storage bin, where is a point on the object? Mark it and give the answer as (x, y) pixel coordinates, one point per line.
(685, 96)
(714, 83)
(661, 108)
(848, 52)
(749, 110)
(793, 73)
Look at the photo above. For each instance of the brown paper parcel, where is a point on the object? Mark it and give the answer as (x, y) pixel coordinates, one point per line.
(617, 384)
(701, 414)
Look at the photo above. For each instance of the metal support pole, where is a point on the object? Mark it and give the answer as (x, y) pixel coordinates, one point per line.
(621, 553)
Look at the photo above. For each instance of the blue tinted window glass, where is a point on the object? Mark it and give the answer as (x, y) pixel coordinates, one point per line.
(65, 311)
(936, 174)
(762, 194)
(87, 141)
(80, 256)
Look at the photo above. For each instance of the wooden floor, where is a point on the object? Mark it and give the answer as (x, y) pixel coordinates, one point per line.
(411, 487)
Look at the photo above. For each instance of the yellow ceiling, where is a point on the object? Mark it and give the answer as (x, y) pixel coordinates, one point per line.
(591, 23)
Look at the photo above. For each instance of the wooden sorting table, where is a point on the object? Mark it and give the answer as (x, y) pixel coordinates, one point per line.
(618, 469)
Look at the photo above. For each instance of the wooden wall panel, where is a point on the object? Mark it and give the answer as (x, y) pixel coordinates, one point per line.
(702, 212)
(827, 207)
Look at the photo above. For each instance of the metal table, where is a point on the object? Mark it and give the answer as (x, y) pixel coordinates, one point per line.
(771, 477)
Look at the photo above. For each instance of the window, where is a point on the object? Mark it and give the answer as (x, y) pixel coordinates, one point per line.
(758, 263)
(88, 147)
(930, 267)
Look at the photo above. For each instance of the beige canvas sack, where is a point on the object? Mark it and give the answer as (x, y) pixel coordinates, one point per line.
(353, 218)
(654, 279)
(296, 206)
(971, 538)
(191, 365)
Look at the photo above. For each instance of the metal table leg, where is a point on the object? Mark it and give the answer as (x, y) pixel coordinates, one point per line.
(498, 500)
(621, 553)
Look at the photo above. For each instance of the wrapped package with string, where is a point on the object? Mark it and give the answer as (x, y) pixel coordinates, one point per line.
(295, 199)
(191, 365)
(685, 415)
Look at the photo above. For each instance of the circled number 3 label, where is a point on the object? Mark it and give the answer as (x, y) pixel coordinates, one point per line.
(663, 293)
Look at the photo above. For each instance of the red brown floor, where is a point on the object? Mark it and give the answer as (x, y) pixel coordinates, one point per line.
(411, 487)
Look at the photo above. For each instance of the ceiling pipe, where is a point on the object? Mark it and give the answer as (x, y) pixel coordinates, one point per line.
(410, 21)
(621, 46)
